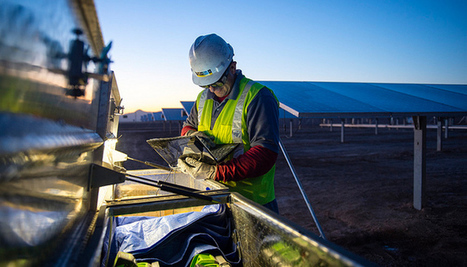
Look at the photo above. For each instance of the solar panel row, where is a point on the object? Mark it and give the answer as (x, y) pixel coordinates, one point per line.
(346, 100)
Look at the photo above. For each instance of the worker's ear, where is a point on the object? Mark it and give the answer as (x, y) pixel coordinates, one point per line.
(233, 67)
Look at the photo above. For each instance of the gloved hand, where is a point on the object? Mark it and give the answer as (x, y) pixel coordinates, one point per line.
(196, 168)
(209, 139)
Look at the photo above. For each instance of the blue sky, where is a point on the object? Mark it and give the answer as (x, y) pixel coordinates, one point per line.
(327, 40)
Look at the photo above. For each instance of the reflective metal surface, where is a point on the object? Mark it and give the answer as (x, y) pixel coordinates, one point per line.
(48, 138)
(35, 38)
(266, 239)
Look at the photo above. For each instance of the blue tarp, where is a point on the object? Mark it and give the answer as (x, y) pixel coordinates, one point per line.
(174, 239)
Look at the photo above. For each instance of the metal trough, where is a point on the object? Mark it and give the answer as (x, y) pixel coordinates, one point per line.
(263, 237)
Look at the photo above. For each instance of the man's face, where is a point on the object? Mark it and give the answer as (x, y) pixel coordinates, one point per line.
(227, 87)
(220, 91)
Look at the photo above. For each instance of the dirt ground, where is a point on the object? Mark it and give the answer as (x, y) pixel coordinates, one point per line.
(362, 190)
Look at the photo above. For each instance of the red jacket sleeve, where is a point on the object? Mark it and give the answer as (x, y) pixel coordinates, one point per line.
(186, 129)
(255, 162)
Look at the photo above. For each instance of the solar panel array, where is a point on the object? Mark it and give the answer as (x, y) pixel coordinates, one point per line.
(347, 100)
(174, 114)
(187, 105)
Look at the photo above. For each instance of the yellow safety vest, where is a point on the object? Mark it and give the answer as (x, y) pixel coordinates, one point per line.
(231, 127)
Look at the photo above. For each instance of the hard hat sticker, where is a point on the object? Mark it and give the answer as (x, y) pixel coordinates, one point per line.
(204, 73)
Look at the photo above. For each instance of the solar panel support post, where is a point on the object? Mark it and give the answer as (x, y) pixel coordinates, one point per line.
(439, 139)
(419, 182)
(376, 126)
(446, 127)
(291, 127)
(302, 191)
(342, 130)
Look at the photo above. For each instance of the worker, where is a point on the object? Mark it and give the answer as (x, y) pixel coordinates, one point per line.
(233, 109)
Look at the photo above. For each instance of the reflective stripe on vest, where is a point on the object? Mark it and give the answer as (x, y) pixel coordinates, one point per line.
(201, 102)
(237, 117)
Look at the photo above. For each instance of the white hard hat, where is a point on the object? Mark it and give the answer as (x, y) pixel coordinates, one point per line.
(210, 56)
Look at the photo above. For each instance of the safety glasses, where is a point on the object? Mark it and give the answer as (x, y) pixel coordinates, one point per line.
(220, 82)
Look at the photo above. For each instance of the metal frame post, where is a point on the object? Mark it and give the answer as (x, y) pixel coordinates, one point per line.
(439, 139)
(419, 182)
(291, 127)
(342, 130)
(376, 126)
(446, 128)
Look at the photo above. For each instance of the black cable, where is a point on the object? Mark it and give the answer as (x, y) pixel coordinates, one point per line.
(173, 188)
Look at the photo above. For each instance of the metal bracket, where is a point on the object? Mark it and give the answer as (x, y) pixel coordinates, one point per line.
(101, 176)
(78, 59)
